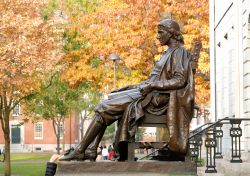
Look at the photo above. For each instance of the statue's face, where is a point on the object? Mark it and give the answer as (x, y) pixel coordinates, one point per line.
(163, 36)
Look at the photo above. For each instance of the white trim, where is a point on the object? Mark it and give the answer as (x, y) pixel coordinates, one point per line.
(38, 137)
(239, 58)
(18, 113)
(212, 61)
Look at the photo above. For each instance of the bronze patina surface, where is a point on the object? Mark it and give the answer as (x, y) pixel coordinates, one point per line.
(169, 91)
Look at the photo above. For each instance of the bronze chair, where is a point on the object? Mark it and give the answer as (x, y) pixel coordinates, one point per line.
(150, 120)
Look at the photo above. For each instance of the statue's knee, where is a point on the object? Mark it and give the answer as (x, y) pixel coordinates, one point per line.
(98, 107)
(99, 118)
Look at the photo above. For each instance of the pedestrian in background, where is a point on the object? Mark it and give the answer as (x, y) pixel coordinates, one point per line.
(111, 155)
(3, 153)
(110, 148)
(105, 153)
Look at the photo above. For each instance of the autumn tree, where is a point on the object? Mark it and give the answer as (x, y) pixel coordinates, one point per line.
(29, 47)
(57, 101)
(72, 45)
(128, 28)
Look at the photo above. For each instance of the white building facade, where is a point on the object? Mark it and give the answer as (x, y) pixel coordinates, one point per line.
(230, 63)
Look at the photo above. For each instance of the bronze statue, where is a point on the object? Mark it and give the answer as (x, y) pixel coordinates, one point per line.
(168, 90)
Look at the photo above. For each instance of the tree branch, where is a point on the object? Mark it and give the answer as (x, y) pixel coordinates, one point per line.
(10, 102)
(54, 128)
(1, 114)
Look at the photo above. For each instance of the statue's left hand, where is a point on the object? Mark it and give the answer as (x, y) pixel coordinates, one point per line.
(145, 90)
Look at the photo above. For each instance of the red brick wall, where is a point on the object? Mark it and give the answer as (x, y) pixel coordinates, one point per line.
(48, 132)
(71, 124)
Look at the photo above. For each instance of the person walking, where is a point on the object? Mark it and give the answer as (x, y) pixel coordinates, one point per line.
(110, 151)
(3, 153)
(110, 148)
(105, 153)
(111, 155)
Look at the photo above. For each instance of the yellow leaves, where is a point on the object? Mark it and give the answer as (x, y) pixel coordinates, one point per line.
(128, 28)
(203, 90)
(204, 66)
(83, 73)
(157, 57)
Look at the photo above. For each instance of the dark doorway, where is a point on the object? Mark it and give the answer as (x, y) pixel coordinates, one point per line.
(15, 134)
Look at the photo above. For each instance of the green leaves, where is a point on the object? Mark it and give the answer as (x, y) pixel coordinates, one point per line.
(59, 100)
(49, 9)
(95, 62)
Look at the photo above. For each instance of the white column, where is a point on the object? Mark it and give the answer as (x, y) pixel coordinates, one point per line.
(212, 61)
(238, 56)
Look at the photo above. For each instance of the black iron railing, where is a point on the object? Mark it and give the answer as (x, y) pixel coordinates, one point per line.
(213, 142)
(213, 133)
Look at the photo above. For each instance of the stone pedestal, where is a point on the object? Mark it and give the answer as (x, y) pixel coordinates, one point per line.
(144, 168)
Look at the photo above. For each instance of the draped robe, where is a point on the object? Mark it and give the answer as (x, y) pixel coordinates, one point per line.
(172, 95)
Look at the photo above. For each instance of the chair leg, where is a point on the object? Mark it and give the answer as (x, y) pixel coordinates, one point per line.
(131, 151)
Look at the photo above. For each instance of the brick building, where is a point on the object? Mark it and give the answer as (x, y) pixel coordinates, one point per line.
(39, 136)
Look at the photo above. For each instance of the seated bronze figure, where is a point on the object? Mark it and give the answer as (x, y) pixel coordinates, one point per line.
(169, 91)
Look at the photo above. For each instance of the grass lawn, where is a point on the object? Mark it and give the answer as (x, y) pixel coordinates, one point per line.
(27, 164)
(27, 169)
(30, 156)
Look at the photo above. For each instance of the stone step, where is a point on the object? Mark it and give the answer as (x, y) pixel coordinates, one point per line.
(235, 169)
(144, 168)
(225, 168)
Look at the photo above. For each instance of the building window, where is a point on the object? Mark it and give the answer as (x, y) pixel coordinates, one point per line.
(226, 36)
(16, 110)
(38, 131)
(219, 44)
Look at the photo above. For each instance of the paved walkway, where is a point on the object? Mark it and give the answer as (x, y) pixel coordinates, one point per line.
(225, 168)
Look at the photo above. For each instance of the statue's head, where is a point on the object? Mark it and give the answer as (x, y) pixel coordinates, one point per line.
(171, 28)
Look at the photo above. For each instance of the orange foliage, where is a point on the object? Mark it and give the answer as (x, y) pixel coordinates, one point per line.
(128, 28)
(29, 46)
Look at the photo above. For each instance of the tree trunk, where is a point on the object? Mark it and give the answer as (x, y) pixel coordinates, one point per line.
(63, 138)
(58, 138)
(7, 148)
(56, 126)
(81, 126)
(7, 154)
(5, 109)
